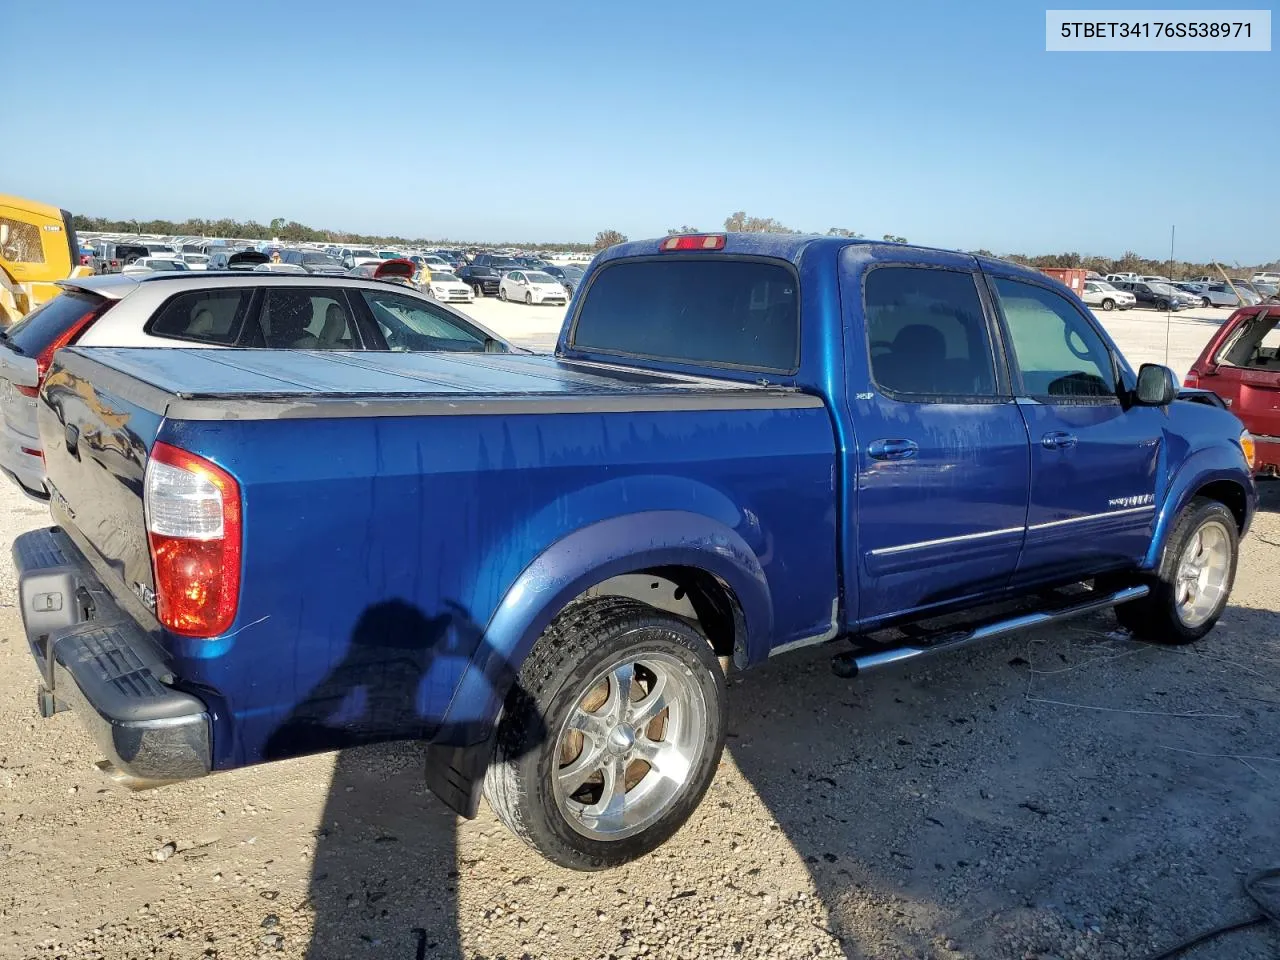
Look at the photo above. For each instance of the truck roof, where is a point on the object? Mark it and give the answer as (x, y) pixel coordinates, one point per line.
(246, 384)
(791, 246)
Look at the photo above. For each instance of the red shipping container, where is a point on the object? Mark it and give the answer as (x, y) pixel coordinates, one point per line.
(1071, 277)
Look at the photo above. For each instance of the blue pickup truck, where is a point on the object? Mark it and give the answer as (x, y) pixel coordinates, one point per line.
(544, 566)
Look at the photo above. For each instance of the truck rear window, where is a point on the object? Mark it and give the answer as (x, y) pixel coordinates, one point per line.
(714, 312)
(42, 326)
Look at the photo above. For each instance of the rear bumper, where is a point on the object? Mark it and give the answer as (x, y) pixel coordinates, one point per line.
(94, 659)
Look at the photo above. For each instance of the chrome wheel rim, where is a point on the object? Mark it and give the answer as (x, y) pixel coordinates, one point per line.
(629, 746)
(1202, 574)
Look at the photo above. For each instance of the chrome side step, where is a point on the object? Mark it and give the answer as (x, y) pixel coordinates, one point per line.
(851, 663)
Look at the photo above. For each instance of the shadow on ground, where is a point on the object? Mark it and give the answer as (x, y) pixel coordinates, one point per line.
(1064, 790)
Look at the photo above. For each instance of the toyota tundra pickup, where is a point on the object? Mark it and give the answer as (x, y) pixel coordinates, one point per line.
(543, 566)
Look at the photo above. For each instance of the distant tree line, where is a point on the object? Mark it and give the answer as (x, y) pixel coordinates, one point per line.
(737, 222)
(291, 230)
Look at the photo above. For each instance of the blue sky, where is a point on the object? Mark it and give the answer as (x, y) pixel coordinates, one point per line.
(946, 123)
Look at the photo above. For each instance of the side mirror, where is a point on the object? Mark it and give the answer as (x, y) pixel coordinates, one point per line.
(1157, 386)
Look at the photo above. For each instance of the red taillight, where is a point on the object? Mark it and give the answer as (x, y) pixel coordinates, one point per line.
(31, 452)
(193, 526)
(26, 391)
(45, 356)
(1192, 379)
(694, 241)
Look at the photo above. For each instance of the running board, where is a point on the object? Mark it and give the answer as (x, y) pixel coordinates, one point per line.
(850, 664)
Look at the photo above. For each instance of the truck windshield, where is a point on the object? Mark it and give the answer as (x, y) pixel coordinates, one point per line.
(713, 312)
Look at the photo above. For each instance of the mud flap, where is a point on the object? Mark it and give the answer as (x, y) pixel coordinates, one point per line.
(456, 775)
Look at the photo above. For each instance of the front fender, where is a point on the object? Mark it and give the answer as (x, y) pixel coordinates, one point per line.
(1204, 466)
(580, 560)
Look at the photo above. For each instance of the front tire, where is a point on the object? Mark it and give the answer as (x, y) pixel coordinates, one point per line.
(1162, 304)
(528, 299)
(1108, 305)
(1205, 302)
(1193, 583)
(502, 293)
(477, 291)
(610, 736)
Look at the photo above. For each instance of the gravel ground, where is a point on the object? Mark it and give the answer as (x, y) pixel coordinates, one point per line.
(1059, 794)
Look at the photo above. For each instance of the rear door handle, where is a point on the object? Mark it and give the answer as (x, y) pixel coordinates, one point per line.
(1057, 440)
(892, 450)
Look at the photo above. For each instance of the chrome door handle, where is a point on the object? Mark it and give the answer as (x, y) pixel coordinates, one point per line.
(1058, 440)
(892, 450)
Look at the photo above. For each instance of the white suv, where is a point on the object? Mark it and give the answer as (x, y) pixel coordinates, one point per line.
(1099, 293)
(203, 309)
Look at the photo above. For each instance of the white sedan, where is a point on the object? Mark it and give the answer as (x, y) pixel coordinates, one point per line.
(531, 286)
(447, 287)
(155, 265)
(1099, 293)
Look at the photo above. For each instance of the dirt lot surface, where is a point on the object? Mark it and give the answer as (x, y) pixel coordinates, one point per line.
(1059, 794)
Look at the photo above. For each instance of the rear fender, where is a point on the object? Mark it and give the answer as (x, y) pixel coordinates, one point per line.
(581, 560)
(1206, 466)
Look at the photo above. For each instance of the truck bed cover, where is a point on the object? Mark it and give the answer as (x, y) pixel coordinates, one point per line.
(221, 384)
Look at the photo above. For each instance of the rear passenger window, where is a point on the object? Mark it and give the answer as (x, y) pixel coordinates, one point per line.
(206, 316)
(1058, 351)
(297, 318)
(928, 334)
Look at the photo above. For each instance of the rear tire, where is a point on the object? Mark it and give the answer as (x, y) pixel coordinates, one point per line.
(569, 736)
(1108, 305)
(1193, 583)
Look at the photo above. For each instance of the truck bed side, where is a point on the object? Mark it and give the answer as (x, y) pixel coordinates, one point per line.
(377, 548)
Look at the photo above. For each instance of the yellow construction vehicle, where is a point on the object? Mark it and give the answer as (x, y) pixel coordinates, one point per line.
(38, 247)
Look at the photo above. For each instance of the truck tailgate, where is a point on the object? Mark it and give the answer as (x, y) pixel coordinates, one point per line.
(95, 444)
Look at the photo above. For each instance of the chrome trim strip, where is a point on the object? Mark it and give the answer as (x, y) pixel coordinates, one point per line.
(1149, 508)
(904, 547)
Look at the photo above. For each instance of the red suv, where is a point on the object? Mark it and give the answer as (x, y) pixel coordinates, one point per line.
(1241, 364)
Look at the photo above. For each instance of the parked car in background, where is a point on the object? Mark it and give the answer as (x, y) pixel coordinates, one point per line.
(542, 568)
(1161, 296)
(484, 273)
(1114, 277)
(447, 287)
(1267, 277)
(532, 286)
(196, 261)
(1241, 364)
(396, 271)
(354, 256)
(155, 265)
(568, 275)
(200, 309)
(313, 261)
(1100, 293)
(1219, 294)
(247, 260)
(279, 266)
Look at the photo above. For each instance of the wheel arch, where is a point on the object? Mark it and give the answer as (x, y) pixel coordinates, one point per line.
(1209, 473)
(712, 565)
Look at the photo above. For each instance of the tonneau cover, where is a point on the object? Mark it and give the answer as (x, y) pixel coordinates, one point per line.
(199, 384)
